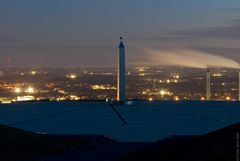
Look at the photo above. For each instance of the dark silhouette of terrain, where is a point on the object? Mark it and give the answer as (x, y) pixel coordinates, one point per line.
(20, 145)
(219, 145)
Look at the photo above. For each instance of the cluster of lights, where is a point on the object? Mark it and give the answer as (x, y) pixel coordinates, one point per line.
(174, 81)
(72, 76)
(176, 98)
(107, 73)
(18, 90)
(142, 68)
(164, 92)
(168, 81)
(33, 72)
(150, 99)
(176, 76)
(25, 98)
(217, 75)
(228, 98)
(28, 90)
(103, 87)
(75, 98)
(61, 91)
(61, 99)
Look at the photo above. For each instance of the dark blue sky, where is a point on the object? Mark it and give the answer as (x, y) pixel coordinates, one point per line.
(85, 33)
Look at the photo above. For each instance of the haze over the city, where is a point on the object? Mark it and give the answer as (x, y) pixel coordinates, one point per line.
(73, 33)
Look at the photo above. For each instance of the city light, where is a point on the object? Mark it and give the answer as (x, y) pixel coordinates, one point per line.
(176, 98)
(228, 98)
(103, 87)
(25, 98)
(95, 87)
(217, 75)
(17, 90)
(33, 72)
(30, 90)
(73, 76)
(150, 99)
(176, 76)
(162, 92)
(73, 97)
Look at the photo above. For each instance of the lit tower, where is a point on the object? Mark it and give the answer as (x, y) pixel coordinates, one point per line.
(208, 85)
(121, 89)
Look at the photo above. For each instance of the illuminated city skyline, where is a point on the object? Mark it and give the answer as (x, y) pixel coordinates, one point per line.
(142, 82)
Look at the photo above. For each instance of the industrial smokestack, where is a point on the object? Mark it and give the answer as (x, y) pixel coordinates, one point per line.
(208, 85)
(121, 89)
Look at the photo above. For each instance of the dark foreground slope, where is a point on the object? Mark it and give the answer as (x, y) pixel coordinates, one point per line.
(20, 145)
(219, 145)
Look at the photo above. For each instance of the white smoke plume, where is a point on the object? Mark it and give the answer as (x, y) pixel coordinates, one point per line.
(186, 58)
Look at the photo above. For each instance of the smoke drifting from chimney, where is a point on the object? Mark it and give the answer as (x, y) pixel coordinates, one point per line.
(186, 58)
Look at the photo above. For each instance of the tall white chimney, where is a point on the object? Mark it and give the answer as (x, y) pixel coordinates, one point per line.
(121, 83)
(208, 85)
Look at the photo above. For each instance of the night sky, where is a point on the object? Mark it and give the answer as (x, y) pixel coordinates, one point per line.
(85, 33)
